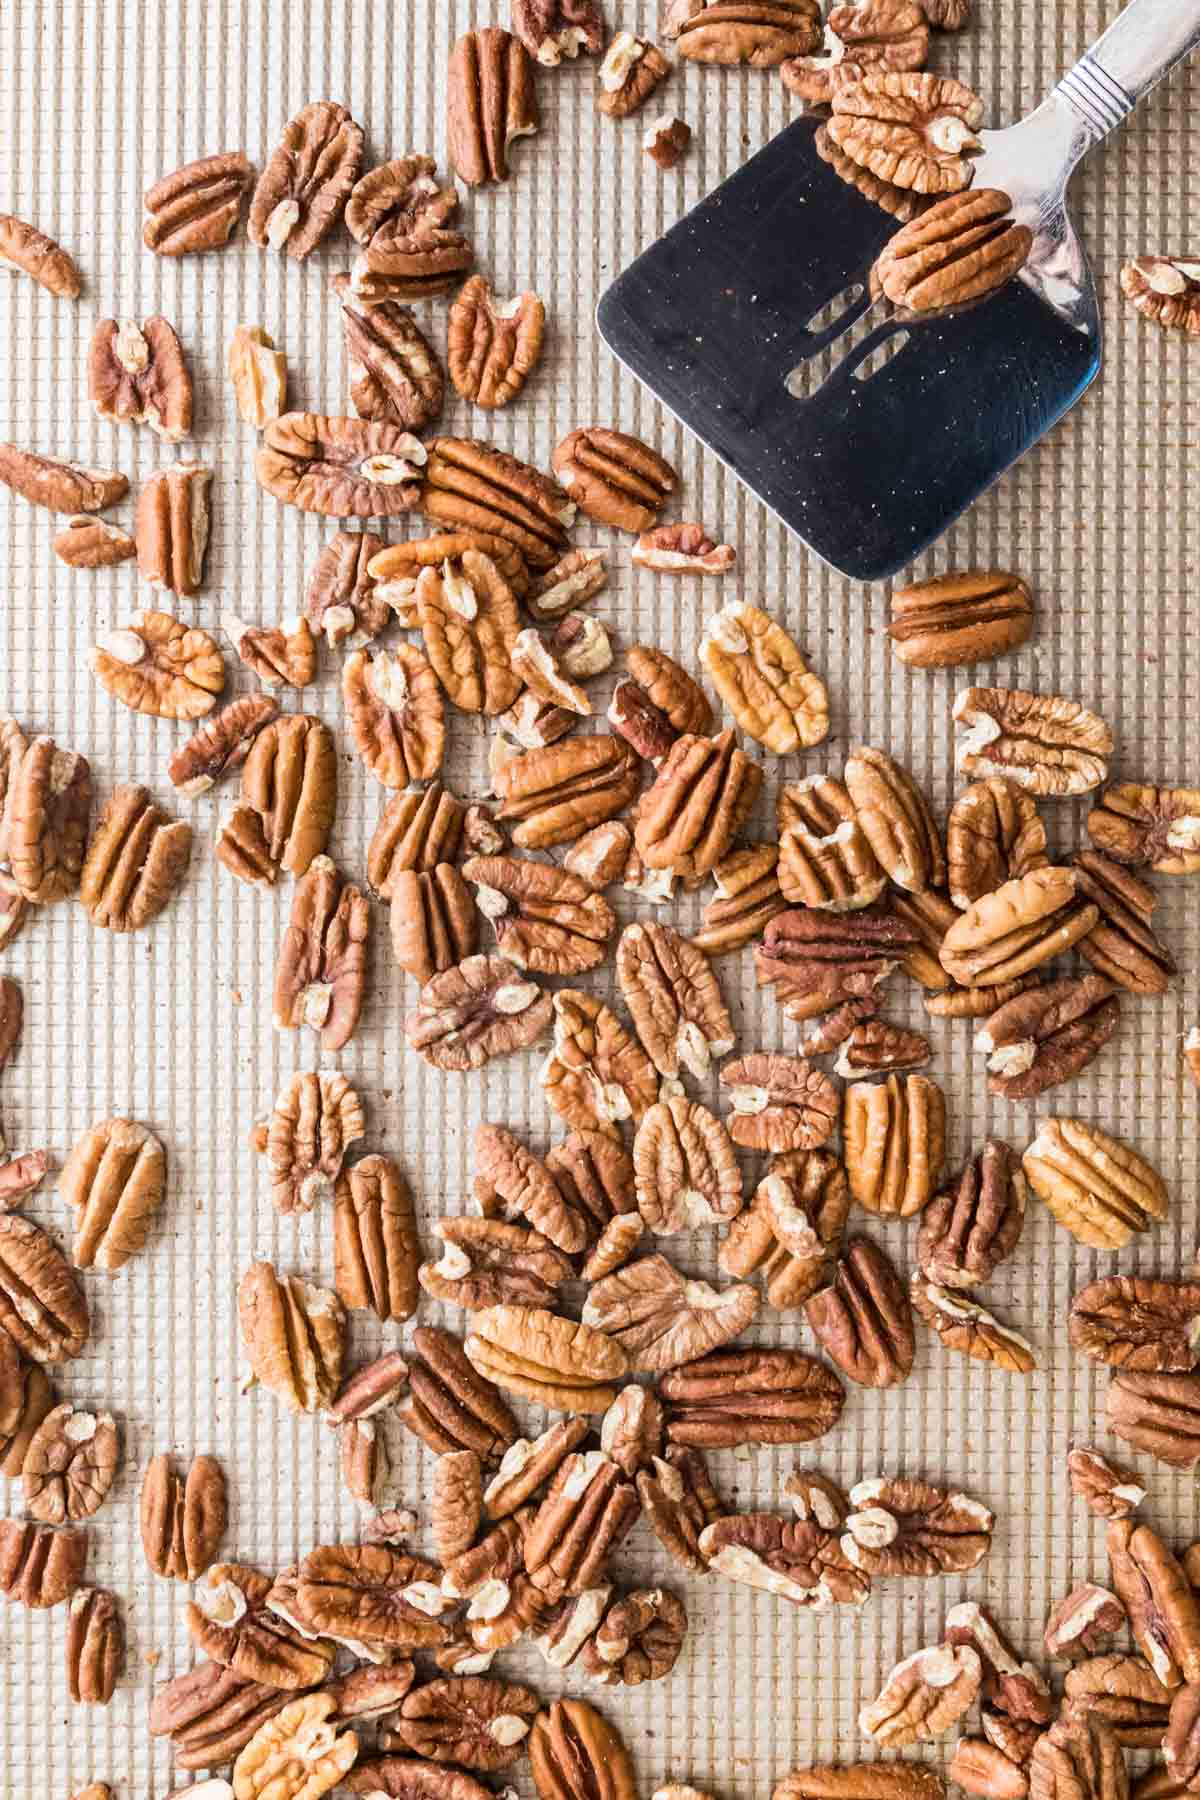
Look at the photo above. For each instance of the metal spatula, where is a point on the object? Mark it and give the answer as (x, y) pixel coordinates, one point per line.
(869, 431)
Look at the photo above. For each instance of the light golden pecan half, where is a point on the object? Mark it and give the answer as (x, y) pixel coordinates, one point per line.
(923, 1696)
(85, 543)
(1097, 1187)
(315, 1120)
(994, 834)
(394, 707)
(491, 101)
(764, 680)
(64, 487)
(467, 613)
(432, 921)
(674, 998)
(685, 1169)
(375, 1245)
(1051, 746)
(290, 780)
(135, 862)
(297, 1755)
(70, 1464)
(1135, 824)
(196, 207)
(546, 1358)
(24, 247)
(1018, 927)
(182, 1519)
(293, 1333)
(895, 1140)
(493, 346)
(115, 1178)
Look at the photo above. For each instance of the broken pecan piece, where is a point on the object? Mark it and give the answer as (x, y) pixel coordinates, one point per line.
(1095, 1186)
(679, 1501)
(64, 487)
(874, 1047)
(965, 1326)
(1165, 289)
(491, 101)
(631, 68)
(182, 1519)
(25, 1399)
(70, 1464)
(221, 744)
(748, 898)
(964, 247)
(597, 1073)
(305, 184)
(293, 1333)
(135, 862)
(1083, 1622)
(26, 248)
(1016, 929)
(552, 29)
(1164, 1615)
(892, 34)
(493, 346)
(343, 467)
(283, 655)
(477, 1010)
(638, 1639)
(734, 1397)
(400, 216)
(320, 975)
(230, 1620)
(342, 602)
(86, 543)
(42, 1307)
(662, 1320)
(172, 527)
(916, 131)
(395, 376)
(1136, 824)
(792, 1227)
(196, 207)
(258, 375)
(758, 670)
(375, 1246)
(137, 375)
(512, 1184)
(861, 1781)
(614, 478)
(968, 1229)
(586, 1513)
(1048, 1034)
(817, 959)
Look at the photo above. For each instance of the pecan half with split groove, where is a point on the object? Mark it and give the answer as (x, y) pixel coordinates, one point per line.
(968, 1229)
(395, 375)
(456, 1505)
(64, 487)
(889, 34)
(26, 248)
(95, 1649)
(1078, 1756)
(792, 1227)
(25, 1399)
(172, 526)
(315, 1120)
(305, 184)
(951, 620)
(779, 1103)
(1137, 824)
(196, 207)
(370, 1594)
(895, 1140)
(341, 602)
(638, 1639)
(873, 1047)
(394, 707)
(375, 1245)
(574, 1752)
(1159, 1414)
(243, 848)
(679, 1501)
(158, 665)
(511, 1183)
(758, 670)
(293, 1333)
(751, 1397)
(685, 1170)
(916, 131)
(994, 834)
(417, 831)
(863, 1318)
(1123, 944)
(595, 1175)
(231, 1621)
(493, 346)
(614, 478)
(1125, 1692)
(135, 862)
(491, 101)
(114, 1178)
(906, 1527)
(488, 1262)
(210, 1714)
(221, 744)
(182, 1519)
(662, 1320)
(597, 1073)
(793, 1559)
(544, 917)
(1165, 289)
(320, 975)
(359, 468)
(763, 35)
(895, 816)
(1023, 924)
(40, 1566)
(825, 858)
(1048, 1034)
(923, 1696)
(477, 1010)
(674, 998)
(700, 799)
(451, 1406)
(1095, 1186)
(70, 1464)
(561, 1364)
(137, 375)
(748, 898)
(471, 486)
(1130, 1322)
(297, 1755)
(963, 248)
(673, 698)
(42, 1307)
(467, 613)
(528, 1464)
(588, 1510)
(1051, 746)
(290, 780)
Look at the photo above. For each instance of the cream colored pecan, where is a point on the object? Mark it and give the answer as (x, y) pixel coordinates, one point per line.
(24, 247)
(70, 1464)
(221, 744)
(375, 1245)
(468, 617)
(873, 1047)
(477, 1010)
(552, 29)
(748, 898)
(511, 1183)
(182, 1519)
(863, 1318)
(290, 780)
(243, 849)
(1130, 1322)
(452, 1406)
(615, 478)
(969, 1228)
(1107, 1488)
(293, 1333)
(137, 375)
(488, 1262)
(662, 1320)
(750, 1397)
(1137, 824)
(210, 1713)
(962, 617)
(595, 1175)
(25, 1399)
(905, 1527)
(895, 1140)
(417, 831)
(401, 217)
(981, 1768)
(320, 975)
(42, 1307)
(95, 1649)
(172, 526)
(470, 486)
(702, 796)
(574, 1751)
(1159, 1414)
(297, 1755)
(793, 1559)
(792, 1227)
(963, 248)
(684, 549)
(1164, 1615)
(895, 817)
(674, 998)
(764, 681)
(535, 1353)
(862, 1781)
(685, 1169)
(283, 655)
(889, 34)
(395, 375)
(493, 346)
(679, 1501)
(40, 1566)
(639, 1639)
(1125, 1692)
(779, 1103)
(916, 131)
(1051, 746)
(1083, 1622)
(456, 1506)
(544, 918)
(303, 189)
(342, 602)
(158, 665)
(196, 207)
(763, 34)
(1123, 945)
(369, 1594)
(432, 921)
(370, 1390)
(965, 1326)
(1023, 924)
(631, 1431)
(343, 467)
(1165, 289)
(93, 544)
(599, 857)
(631, 68)
(597, 1073)
(588, 1509)
(1095, 1186)
(470, 1720)
(394, 707)
(923, 1696)
(491, 102)
(315, 1120)
(1079, 1756)
(258, 374)
(135, 862)
(64, 487)
(114, 1178)
(994, 834)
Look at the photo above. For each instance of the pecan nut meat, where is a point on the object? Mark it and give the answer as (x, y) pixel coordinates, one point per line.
(679, 1502)
(1136, 824)
(412, 1778)
(158, 665)
(395, 376)
(748, 898)
(511, 1183)
(359, 468)
(304, 187)
(662, 1320)
(994, 834)
(283, 655)
(1130, 1322)
(475, 1011)
(896, 819)
(315, 1120)
(95, 1649)
(570, 1367)
(963, 248)
(907, 1527)
(817, 959)
(456, 1505)
(471, 486)
(491, 101)
(544, 918)
(1164, 1614)
(965, 1326)
(1106, 1488)
(135, 862)
(669, 690)
(452, 1406)
(370, 1594)
(1053, 747)
(895, 1142)
(629, 72)
(792, 1227)
(702, 796)
(375, 1245)
(863, 1319)
(342, 602)
(597, 1073)
(779, 1103)
(682, 549)
(40, 1565)
(638, 1639)
(24, 247)
(25, 1399)
(182, 1519)
(1125, 1692)
(394, 707)
(196, 208)
(487, 1262)
(862, 1781)
(470, 1720)
(293, 1333)
(296, 1755)
(1016, 929)
(595, 1175)
(1123, 944)
(614, 478)
(70, 1465)
(923, 1696)
(258, 375)
(87, 543)
(968, 1229)
(289, 780)
(493, 346)
(137, 375)
(674, 998)
(892, 34)
(614, 1247)
(557, 793)
(1097, 1187)
(42, 1307)
(1079, 1755)
(210, 1714)
(320, 975)
(830, 868)
(793, 1559)
(1164, 289)
(915, 131)
(552, 29)
(574, 1752)
(528, 1464)
(1048, 1034)
(416, 832)
(230, 1619)
(588, 1510)
(759, 672)
(874, 1047)
(401, 217)
(631, 1431)
(734, 1397)
(762, 35)
(221, 744)
(64, 487)
(1083, 1622)
(952, 620)
(171, 527)
(1157, 1413)
(114, 1178)
(685, 1170)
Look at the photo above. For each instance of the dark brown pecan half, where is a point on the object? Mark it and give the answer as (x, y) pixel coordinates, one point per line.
(994, 834)
(1122, 945)
(1048, 1034)
(962, 248)
(908, 1527)
(491, 101)
(575, 1753)
(486, 1262)
(450, 1405)
(863, 1319)
(595, 1175)
(40, 1566)
(816, 960)
(751, 1397)
(471, 1720)
(970, 1228)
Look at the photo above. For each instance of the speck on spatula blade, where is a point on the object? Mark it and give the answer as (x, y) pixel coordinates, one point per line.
(726, 315)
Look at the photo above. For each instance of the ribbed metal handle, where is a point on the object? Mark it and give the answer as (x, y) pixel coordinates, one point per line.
(1142, 44)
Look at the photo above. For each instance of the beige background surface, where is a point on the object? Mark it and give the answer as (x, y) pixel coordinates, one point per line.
(173, 1026)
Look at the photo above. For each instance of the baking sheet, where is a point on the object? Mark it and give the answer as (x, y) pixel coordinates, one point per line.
(173, 1025)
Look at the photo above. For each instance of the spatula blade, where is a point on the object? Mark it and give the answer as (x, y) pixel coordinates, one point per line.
(714, 317)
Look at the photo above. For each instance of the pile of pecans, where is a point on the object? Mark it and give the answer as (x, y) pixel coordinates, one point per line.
(307, 1677)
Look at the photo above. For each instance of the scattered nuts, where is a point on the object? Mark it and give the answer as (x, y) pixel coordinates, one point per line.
(182, 1519)
(760, 674)
(614, 478)
(493, 346)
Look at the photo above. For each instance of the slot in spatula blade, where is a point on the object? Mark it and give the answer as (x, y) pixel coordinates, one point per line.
(876, 460)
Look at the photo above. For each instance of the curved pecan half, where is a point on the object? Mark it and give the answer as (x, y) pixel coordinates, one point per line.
(662, 1320)
(305, 184)
(908, 1527)
(923, 1696)
(863, 1318)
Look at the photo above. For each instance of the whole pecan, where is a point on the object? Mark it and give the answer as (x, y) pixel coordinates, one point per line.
(631, 68)
(486, 1262)
(1106, 1488)
(1083, 1622)
(759, 672)
(401, 217)
(42, 1307)
(40, 1566)
(491, 101)
(679, 1501)
(1079, 1756)
(375, 1245)
(614, 478)
(85, 543)
(416, 831)
(971, 1227)
(493, 346)
(1157, 1413)
(574, 1752)
(753, 1396)
(1164, 1614)
(544, 917)
(451, 1406)
(1046, 1035)
(724, 31)
(196, 207)
(962, 248)
(793, 1559)
(1095, 1186)
(792, 1227)
(471, 1720)
(892, 34)
(557, 793)
(158, 665)
(135, 862)
(95, 1649)
(1123, 944)
(817, 960)
(469, 485)
(1016, 929)
(137, 375)
(297, 1754)
(908, 1527)
(172, 527)
(595, 1175)
(24, 247)
(587, 1511)
(258, 375)
(915, 131)
(1130, 1322)
(895, 1140)
(359, 468)
(1125, 1692)
(1165, 289)
(290, 780)
(662, 1320)
(779, 1103)
(511, 1183)
(210, 1713)
(597, 1073)
(1136, 824)
(304, 186)
(182, 1520)
(221, 744)
(65, 487)
(70, 1464)
(685, 1170)
(475, 1011)
(863, 1318)
(923, 1696)
(748, 898)
(1051, 746)
(528, 1465)
(315, 1120)
(994, 834)
(895, 816)
(532, 1352)
(293, 1333)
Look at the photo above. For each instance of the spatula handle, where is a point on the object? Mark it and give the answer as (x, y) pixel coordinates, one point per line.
(1141, 45)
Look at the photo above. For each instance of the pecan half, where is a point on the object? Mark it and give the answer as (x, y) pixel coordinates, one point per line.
(779, 1103)
(137, 375)
(25, 1399)
(1136, 824)
(638, 1639)
(965, 1326)
(861, 1781)
(210, 1714)
(26, 248)
(730, 31)
(631, 1431)
(1051, 746)
(792, 1227)
(293, 1333)
(1122, 945)
(342, 602)
(158, 665)
(283, 655)
(916, 131)
(493, 346)
(305, 184)
(825, 858)
(793, 1559)
(42, 1307)
(1164, 1615)
(468, 618)
(994, 834)
(662, 1320)
(491, 101)
(574, 1752)
(758, 670)
(93, 544)
(892, 34)
(375, 1244)
(1165, 289)
(469, 485)
(683, 549)
(290, 780)
(1016, 929)
(40, 1566)
(320, 975)
(597, 1073)
(679, 1501)
(471, 1720)
(873, 1047)
(1181, 1740)
(412, 1778)
(370, 1389)
(1046, 1035)
(908, 1527)
(1079, 1756)
(64, 487)
(863, 1318)
(1130, 1322)
(552, 29)
(614, 478)
(487, 1262)
(95, 1648)
(964, 247)
(552, 1360)
(451, 1405)
(748, 898)
(296, 1755)
(685, 1170)
(417, 831)
(674, 998)
(923, 1696)
(20, 1175)
(631, 68)
(343, 467)
(702, 796)
(114, 1178)
(196, 207)
(1159, 1414)
(1095, 1186)
(599, 857)
(394, 707)
(595, 1175)
(512, 1183)
(475, 1011)
(456, 1506)
(135, 862)
(172, 526)
(1106, 1488)
(395, 375)
(70, 1464)
(401, 217)
(895, 816)
(544, 918)
(895, 1140)
(221, 744)
(897, 202)
(369, 1594)
(750, 1397)
(1083, 1622)
(968, 1229)
(614, 1247)
(1125, 1692)
(244, 850)
(982, 1768)
(669, 691)
(587, 1511)
(182, 1519)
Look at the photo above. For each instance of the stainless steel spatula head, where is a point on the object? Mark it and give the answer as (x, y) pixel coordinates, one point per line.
(866, 430)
